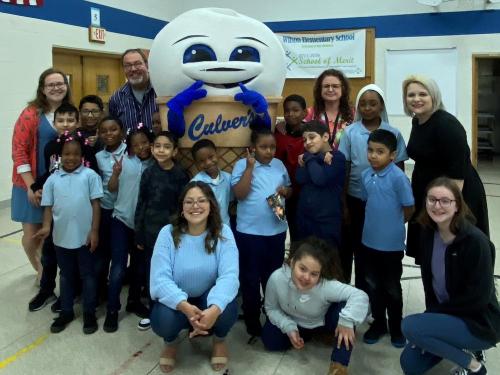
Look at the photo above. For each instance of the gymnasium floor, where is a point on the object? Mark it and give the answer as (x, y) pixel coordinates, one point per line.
(28, 347)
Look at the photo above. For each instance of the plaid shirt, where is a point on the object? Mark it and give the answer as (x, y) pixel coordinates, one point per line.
(125, 106)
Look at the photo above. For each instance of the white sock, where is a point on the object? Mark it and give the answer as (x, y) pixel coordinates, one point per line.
(477, 369)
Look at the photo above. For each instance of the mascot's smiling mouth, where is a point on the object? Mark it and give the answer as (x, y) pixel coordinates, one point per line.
(228, 85)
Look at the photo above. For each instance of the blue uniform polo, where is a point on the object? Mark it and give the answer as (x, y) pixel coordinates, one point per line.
(70, 194)
(354, 145)
(254, 216)
(105, 162)
(386, 192)
(128, 188)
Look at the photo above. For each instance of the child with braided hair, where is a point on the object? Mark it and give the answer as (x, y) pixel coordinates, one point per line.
(71, 200)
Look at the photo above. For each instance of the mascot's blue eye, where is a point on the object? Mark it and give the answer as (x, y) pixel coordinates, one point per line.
(245, 53)
(197, 53)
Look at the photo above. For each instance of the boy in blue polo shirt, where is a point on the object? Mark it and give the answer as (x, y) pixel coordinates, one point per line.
(389, 204)
(370, 115)
(260, 235)
(205, 156)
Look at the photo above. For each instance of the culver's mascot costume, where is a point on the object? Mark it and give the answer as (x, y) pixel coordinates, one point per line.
(211, 52)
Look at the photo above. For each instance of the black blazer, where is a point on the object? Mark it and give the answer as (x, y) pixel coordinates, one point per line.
(469, 261)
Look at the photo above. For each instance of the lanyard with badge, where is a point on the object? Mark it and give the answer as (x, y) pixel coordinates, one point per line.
(333, 134)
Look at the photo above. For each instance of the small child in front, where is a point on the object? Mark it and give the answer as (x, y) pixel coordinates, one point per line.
(71, 200)
(389, 204)
(205, 156)
(260, 234)
(371, 115)
(308, 295)
(65, 120)
(321, 181)
(160, 188)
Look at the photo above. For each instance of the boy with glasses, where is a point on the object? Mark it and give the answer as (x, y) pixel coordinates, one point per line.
(91, 109)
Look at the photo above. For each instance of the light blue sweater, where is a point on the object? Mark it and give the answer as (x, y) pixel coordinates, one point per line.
(189, 271)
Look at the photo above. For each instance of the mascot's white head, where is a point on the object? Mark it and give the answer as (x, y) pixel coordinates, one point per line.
(220, 47)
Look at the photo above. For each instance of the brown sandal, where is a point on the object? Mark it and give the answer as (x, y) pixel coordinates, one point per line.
(337, 369)
(219, 362)
(167, 364)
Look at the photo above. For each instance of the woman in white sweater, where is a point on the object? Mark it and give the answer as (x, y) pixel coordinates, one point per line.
(305, 296)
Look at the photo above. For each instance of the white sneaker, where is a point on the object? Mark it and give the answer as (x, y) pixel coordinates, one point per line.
(144, 324)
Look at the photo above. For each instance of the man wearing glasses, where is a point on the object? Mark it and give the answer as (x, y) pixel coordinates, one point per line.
(134, 102)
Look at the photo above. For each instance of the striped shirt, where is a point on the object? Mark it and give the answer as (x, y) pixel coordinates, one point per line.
(125, 106)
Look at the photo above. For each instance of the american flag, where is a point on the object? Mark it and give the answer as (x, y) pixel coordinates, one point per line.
(35, 3)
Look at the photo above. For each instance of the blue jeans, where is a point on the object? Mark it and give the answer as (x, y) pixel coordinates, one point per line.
(438, 336)
(275, 340)
(167, 322)
(73, 262)
(260, 256)
(122, 238)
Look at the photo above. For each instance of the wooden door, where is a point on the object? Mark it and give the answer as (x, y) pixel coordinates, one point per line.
(71, 65)
(102, 76)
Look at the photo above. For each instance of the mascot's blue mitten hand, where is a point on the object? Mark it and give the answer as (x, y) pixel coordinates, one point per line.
(257, 102)
(176, 106)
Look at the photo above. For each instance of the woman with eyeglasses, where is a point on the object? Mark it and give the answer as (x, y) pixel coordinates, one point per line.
(462, 315)
(194, 276)
(438, 145)
(32, 131)
(331, 103)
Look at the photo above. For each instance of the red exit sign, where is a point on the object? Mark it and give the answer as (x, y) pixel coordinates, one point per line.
(97, 34)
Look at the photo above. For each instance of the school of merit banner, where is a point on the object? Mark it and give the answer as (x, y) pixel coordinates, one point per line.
(309, 54)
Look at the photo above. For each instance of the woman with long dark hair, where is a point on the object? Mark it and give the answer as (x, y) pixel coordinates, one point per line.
(194, 276)
(331, 103)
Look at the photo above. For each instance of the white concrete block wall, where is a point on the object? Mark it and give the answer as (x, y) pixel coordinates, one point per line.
(26, 46)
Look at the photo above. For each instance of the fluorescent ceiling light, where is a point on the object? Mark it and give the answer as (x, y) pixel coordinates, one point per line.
(433, 3)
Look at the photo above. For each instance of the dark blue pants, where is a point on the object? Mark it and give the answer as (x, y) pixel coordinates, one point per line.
(140, 267)
(326, 230)
(73, 262)
(383, 280)
(122, 238)
(291, 216)
(49, 263)
(275, 340)
(103, 252)
(167, 322)
(432, 337)
(260, 256)
(351, 242)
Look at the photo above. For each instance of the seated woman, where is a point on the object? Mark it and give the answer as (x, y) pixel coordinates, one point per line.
(194, 276)
(462, 313)
(305, 296)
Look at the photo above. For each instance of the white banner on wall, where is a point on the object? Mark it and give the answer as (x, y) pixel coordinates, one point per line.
(309, 54)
